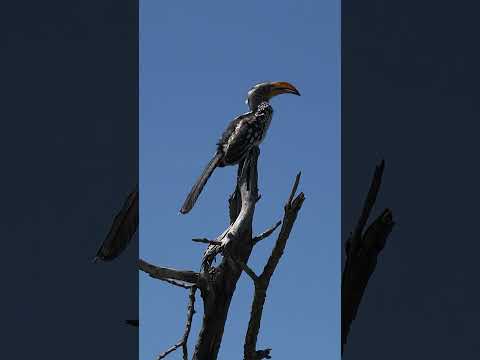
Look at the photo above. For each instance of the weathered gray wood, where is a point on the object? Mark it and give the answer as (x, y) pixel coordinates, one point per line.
(168, 274)
(222, 280)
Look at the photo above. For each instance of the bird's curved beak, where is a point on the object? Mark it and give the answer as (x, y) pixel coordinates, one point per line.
(283, 87)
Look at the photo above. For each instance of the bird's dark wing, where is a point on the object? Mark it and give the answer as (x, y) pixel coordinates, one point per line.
(231, 128)
(239, 139)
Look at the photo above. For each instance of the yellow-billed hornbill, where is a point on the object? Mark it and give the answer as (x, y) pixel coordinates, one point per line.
(242, 133)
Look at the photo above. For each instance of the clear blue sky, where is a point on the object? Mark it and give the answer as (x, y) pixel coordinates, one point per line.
(197, 61)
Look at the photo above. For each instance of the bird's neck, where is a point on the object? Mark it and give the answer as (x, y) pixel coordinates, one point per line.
(262, 104)
(262, 107)
(255, 101)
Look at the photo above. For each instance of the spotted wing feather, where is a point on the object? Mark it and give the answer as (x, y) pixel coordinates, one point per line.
(239, 140)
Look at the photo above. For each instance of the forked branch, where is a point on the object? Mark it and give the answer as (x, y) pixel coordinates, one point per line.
(291, 209)
(188, 326)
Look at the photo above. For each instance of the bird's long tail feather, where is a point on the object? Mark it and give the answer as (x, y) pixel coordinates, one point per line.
(200, 183)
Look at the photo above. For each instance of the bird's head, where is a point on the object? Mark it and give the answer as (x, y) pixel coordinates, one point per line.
(265, 91)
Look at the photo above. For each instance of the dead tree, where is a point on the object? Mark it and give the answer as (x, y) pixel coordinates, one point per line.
(362, 250)
(217, 284)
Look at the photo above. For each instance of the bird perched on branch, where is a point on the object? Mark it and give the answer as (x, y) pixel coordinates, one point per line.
(242, 133)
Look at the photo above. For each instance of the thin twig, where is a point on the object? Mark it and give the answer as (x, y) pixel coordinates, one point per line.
(266, 233)
(245, 268)
(170, 350)
(294, 188)
(206, 241)
(188, 326)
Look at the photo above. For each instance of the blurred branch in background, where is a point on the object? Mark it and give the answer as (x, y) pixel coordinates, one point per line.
(362, 250)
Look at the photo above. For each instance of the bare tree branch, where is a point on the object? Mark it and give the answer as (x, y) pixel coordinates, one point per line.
(169, 275)
(169, 350)
(291, 209)
(245, 268)
(188, 326)
(206, 241)
(266, 233)
(178, 283)
(294, 189)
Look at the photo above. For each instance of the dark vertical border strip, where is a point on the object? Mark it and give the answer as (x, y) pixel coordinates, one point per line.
(410, 96)
(69, 145)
